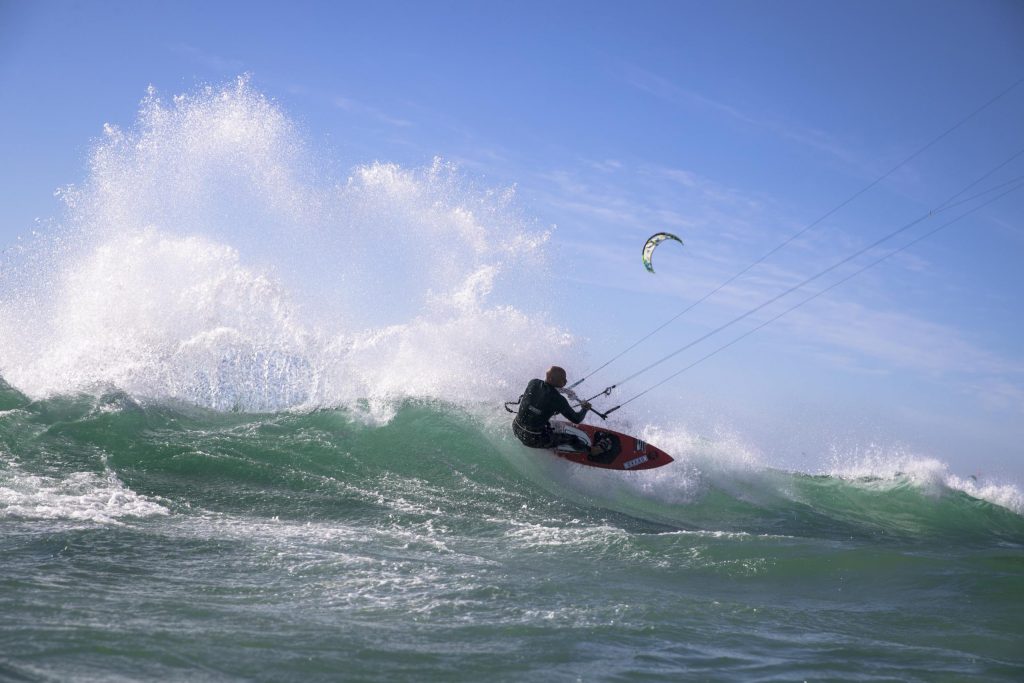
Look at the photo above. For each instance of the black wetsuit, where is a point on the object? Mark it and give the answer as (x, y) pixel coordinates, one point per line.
(537, 405)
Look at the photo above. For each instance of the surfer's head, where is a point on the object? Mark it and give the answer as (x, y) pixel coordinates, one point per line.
(555, 376)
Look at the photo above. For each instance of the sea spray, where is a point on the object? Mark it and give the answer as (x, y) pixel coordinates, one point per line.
(209, 258)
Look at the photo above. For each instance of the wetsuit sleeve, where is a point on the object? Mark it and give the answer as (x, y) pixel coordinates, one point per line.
(566, 411)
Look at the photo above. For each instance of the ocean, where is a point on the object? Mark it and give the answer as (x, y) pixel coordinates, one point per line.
(216, 464)
(157, 542)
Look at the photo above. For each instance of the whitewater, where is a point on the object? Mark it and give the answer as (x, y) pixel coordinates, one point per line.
(251, 428)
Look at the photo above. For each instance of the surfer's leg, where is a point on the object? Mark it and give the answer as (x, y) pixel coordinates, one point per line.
(568, 439)
(530, 438)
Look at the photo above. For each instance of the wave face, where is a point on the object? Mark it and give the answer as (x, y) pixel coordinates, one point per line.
(249, 429)
(184, 457)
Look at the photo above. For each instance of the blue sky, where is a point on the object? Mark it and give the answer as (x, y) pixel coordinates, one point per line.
(733, 124)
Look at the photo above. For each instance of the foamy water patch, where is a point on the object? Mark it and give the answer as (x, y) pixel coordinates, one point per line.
(876, 461)
(80, 496)
(590, 537)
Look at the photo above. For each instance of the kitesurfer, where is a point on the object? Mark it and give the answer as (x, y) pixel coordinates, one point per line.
(539, 403)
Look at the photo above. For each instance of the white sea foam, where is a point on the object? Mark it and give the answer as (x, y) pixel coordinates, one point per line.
(897, 464)
(208, 258)
(80, 496)
(1006, 495)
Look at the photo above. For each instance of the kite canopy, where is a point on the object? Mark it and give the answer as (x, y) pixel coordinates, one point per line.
(654, 241)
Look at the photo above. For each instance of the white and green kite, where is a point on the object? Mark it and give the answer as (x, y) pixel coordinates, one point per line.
(654, 241)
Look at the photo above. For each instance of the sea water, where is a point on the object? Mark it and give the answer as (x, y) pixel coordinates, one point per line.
(217, 466)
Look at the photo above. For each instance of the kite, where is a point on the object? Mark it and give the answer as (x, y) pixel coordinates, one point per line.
(654, 241)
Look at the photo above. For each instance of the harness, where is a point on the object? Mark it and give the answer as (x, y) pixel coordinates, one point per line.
(569, 393)
(516, 422)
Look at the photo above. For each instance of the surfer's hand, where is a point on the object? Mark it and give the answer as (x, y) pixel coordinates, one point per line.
(585, 405)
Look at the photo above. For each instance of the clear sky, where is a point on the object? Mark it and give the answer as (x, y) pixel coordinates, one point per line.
(733, 124)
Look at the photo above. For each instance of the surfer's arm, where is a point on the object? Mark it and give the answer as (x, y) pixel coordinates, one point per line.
(566, 411)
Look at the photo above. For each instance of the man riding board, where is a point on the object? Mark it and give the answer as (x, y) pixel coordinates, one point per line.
(539, 403)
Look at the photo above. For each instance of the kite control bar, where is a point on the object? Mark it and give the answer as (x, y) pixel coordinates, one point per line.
(604, 416)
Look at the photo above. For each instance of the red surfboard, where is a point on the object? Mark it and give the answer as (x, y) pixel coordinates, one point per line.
(627, 452)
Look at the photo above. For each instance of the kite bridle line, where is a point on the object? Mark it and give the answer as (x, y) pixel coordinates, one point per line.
(1014, 185)
(801, 232)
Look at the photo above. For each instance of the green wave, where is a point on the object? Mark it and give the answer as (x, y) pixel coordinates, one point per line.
(437, 460)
